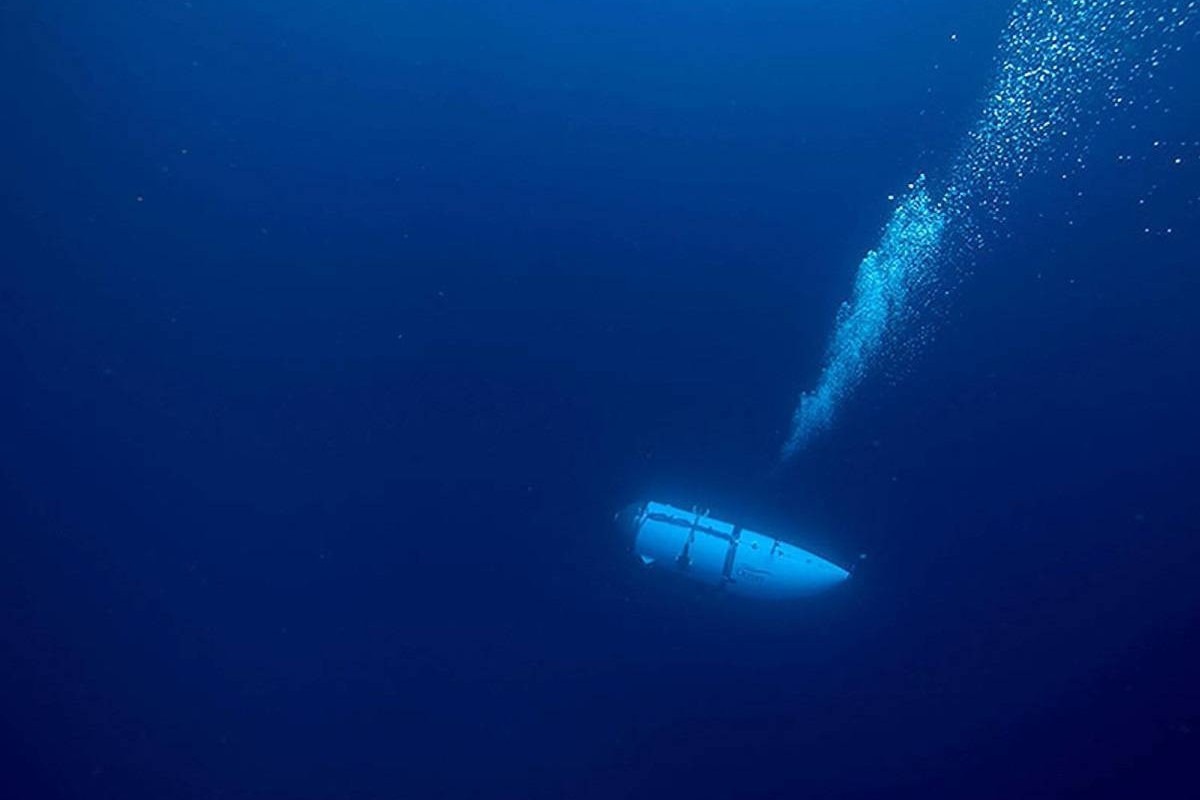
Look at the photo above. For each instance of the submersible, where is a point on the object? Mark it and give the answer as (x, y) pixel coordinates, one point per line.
(722, 554)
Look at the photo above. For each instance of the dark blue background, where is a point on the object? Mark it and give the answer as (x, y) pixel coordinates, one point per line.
(309, 455)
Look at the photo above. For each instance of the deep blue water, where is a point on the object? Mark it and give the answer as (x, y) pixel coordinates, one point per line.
(334, 333)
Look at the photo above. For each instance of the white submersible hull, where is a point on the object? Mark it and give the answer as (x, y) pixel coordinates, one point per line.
(722, 554)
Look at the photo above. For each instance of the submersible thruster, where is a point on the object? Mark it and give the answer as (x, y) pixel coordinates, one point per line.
(722, 554)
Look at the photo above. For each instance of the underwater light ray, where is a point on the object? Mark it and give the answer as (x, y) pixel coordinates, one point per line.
(1060, 63)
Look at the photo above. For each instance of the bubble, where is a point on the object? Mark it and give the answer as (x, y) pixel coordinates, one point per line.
(1061, 66)
(888, 278)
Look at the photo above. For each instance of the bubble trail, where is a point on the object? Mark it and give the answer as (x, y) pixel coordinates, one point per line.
(887, 278)
(1061, 65)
